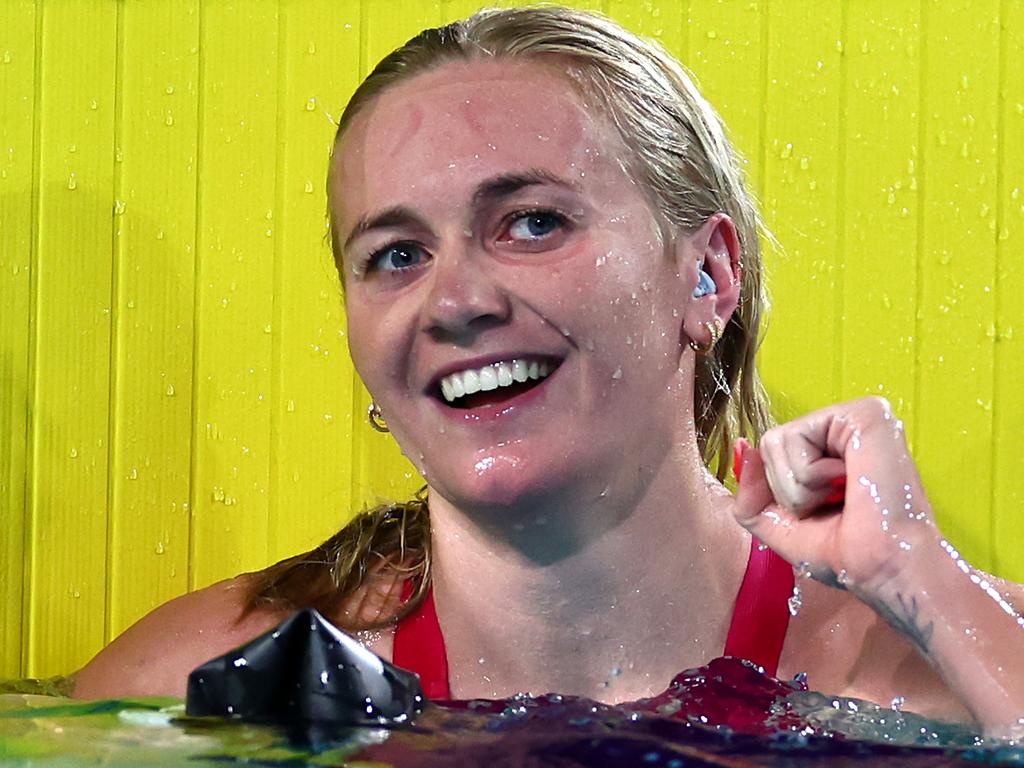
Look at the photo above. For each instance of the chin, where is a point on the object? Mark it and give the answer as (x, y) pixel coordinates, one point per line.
(501, 485)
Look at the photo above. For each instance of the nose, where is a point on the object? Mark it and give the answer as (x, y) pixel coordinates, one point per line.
(464, 297)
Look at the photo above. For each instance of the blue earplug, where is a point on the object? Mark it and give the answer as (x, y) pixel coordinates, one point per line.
(705, 285)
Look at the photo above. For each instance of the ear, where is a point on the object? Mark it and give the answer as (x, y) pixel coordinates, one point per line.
(715, 250)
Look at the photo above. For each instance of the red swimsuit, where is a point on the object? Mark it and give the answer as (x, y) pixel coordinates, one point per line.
(757, 630)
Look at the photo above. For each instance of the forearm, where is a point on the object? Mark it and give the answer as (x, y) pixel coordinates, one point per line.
(965, 628)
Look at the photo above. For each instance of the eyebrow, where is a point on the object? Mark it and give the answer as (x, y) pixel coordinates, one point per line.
(509, 183)
(487, 192)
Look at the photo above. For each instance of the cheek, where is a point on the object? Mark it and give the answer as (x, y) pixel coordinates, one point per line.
(365, 344)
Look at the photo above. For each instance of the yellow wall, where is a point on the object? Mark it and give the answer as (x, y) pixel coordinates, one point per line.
(176, 401)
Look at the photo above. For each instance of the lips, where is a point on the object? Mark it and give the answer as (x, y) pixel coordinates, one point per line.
(493, 382)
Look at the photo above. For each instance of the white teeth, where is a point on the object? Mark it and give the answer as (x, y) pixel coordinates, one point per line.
(488, 379)
(504, 375)
(491, 377)
(520, 370)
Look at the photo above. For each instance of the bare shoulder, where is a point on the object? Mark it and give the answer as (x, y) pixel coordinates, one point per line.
(154, 656)
(849, 650)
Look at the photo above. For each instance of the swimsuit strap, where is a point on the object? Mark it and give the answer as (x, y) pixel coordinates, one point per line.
(419, 646)
(757, 631)
(761, 615)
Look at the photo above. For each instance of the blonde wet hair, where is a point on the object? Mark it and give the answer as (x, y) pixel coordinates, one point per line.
(678, 154)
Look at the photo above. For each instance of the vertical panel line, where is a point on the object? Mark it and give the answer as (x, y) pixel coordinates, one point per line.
(922, 163)
(356, 452)
(683, 33)
(997, 299)
(115, 317)
(763, 116)
(362, 40)
(31, 443)
(839, 283)
(276, 310)
(196, 295)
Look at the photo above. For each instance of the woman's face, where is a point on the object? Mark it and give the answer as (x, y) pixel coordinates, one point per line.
(493, 239)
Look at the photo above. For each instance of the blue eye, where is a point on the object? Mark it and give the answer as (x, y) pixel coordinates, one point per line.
(534, 225)
(396, 257)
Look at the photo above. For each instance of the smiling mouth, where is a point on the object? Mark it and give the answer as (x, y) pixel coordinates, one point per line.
(493, 383)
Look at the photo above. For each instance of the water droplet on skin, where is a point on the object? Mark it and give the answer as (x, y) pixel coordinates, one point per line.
(897, 703)
(617, 374)
(795, 601)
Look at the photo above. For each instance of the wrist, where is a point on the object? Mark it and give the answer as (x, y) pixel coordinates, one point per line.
(914, 570)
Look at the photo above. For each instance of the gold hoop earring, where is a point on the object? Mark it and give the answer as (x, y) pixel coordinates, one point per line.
(715, 330)
(376, 418)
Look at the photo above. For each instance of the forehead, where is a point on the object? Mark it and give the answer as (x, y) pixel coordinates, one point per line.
(462, 121)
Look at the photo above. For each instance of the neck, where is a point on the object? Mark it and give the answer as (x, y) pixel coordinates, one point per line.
(608, 598)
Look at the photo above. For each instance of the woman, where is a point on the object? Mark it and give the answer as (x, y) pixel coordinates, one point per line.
(553, 288)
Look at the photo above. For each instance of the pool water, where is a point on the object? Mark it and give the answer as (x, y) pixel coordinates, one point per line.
(727, 713)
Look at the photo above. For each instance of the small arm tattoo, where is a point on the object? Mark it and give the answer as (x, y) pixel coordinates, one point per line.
(904, 617)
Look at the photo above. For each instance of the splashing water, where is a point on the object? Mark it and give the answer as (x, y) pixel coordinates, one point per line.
(726, 713)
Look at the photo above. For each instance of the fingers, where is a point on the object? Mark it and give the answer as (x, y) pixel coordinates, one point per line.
(800, 472)
(754, 493)
(755, 506)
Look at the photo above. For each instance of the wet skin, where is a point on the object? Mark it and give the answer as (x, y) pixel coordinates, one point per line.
(460, 262)
(470, 278)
